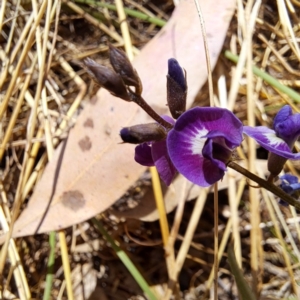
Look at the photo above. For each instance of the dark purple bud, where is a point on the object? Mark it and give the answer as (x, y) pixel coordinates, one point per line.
(142, 133)
(124, 68)
(176, 88)
(275, 164)
(107, 79)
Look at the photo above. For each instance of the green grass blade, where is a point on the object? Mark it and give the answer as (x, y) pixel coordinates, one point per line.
(242, 285)
(126, 261)
(130, 12)
(267, 78)
(50, 266)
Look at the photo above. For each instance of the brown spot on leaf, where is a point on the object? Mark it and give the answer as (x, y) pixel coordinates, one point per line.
(88, 123)
(73, 200)
(85, 143)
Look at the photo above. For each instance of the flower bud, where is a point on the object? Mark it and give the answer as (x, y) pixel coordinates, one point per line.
(124, 68)
(107, 78)
(275, 164)
(176, 88)
(138, 134)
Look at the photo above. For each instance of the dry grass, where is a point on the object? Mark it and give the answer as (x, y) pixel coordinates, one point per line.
(43, 88)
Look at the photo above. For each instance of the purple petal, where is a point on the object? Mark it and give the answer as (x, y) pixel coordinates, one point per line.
(289, 178)
(162, 162)
(267, 138)
(190, 134)
(193, 166)
(168, 119)
(210, 119)
(295, 186)
(282, 115)
(143, 155)
(208, 152)
(289, 129)
(176, 73)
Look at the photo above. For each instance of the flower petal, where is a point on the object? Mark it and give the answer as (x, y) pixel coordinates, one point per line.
(208, 150)
(143, 155)
(163, 162)
(176, 73)
(289, 178)
(193, 166)
(211, 119)
(168, 119)
(289, 130)
(284, 113)
(267, 139)
(187, 139)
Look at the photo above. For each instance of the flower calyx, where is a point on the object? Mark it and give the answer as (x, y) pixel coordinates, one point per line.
(143, 133)
(124, 68)
(107, 78)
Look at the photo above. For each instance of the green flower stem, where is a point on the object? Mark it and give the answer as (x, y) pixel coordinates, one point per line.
(129, 12)
(265, 184)
(126, 261)
(50, 266)
(267, 78)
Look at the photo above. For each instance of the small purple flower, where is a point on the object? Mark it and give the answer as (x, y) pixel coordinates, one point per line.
(290, 185)
(280, 140)
(201, 143)
(155, 153)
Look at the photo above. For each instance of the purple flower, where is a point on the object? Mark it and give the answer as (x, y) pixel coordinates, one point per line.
(281, 139)
(155, 153)
(201, 143)
(290, 185)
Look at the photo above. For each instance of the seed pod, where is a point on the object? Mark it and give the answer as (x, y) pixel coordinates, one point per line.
(107, 78)
(176, 88)
(124, 68)
(142, 133)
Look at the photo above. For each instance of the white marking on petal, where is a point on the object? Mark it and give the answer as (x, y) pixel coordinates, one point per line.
(273, 140)
(197, 141)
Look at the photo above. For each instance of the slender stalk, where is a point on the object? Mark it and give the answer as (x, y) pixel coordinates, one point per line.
(216, 240)
(50, 266)
(266, 184)
(66, 264)
(164, 228)
(149, 110)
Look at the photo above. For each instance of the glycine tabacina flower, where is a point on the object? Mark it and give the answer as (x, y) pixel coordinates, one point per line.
(201, 143)
(279, 140)
(290, 185)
